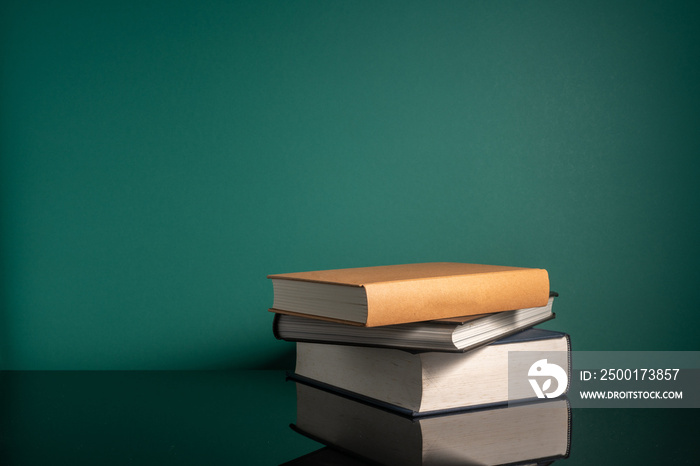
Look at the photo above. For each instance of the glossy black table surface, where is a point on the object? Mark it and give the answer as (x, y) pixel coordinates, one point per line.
(244, 417)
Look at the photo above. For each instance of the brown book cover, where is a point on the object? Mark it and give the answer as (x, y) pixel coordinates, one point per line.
(417, 292)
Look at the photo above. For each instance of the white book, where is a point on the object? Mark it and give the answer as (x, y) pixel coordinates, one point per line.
(455, 334)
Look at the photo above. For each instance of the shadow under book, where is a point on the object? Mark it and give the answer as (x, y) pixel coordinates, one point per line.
(529, 433)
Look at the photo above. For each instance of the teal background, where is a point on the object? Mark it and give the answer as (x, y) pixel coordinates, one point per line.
(159, 159)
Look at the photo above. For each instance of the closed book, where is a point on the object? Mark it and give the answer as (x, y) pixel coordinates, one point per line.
(395, 294)
(418, 383)
(454, 335)
(531, 433)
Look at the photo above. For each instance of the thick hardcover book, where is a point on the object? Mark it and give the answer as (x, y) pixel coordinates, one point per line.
(421, 383)
(452, 335)
(529, 433)
(395, 294)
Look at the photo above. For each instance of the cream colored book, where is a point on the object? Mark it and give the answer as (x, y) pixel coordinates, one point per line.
(395, 294)
(453, 335)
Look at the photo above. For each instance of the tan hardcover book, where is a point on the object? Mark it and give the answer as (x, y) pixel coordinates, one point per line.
(396, 294)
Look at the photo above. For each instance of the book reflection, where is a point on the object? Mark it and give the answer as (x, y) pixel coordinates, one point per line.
(359, 433)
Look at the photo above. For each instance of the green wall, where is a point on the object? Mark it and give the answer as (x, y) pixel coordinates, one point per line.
(160, 158)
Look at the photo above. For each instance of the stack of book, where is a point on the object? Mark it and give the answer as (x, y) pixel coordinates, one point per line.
(429, 343)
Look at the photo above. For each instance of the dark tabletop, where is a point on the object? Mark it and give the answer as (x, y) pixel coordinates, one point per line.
(244, 417)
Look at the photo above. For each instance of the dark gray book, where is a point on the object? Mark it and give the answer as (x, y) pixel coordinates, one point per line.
(419, 383)
(531, 433)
